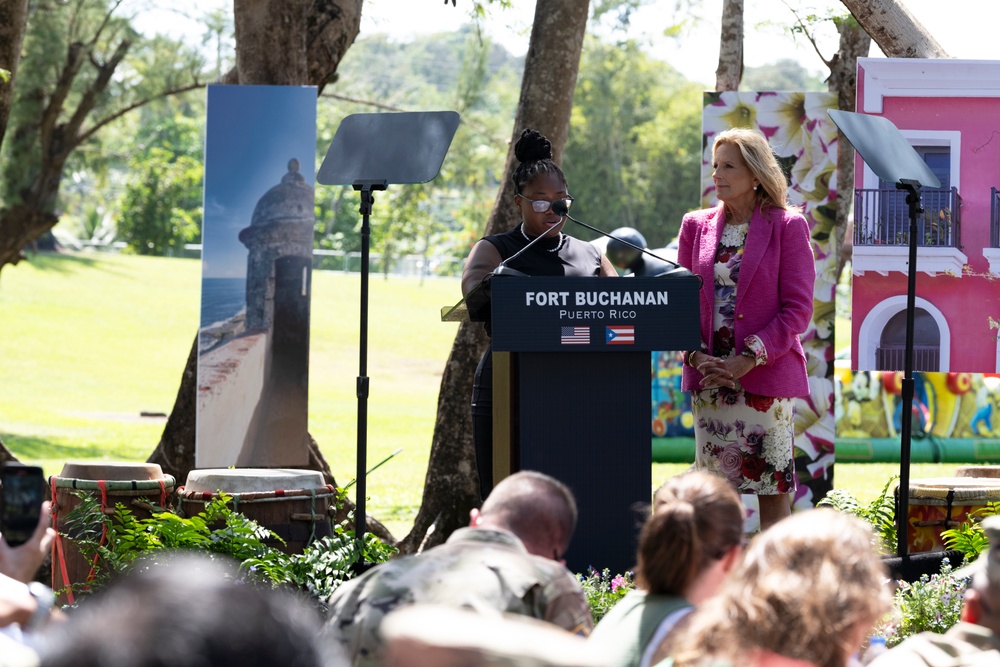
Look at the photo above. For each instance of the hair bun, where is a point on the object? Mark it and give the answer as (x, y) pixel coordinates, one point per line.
(532, 147)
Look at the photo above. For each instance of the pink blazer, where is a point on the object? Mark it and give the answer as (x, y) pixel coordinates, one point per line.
(774, 293)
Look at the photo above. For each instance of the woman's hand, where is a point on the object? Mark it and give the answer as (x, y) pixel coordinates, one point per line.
(22, 562)
(718, 372)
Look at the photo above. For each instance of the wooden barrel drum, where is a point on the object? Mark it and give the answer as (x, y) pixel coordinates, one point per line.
(142, 487)
(296, 505)
(939, 503)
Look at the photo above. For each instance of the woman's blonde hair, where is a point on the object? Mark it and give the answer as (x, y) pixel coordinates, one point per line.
(757, 153)
(803, 590)
(697, 518)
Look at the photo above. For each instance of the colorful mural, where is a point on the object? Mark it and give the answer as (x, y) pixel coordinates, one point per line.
(671, 406)
(945, 405)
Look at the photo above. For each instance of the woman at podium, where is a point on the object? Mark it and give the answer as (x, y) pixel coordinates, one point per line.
(535, 247)
(755, 258)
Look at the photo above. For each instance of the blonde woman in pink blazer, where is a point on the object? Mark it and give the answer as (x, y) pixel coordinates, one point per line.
(755, 258)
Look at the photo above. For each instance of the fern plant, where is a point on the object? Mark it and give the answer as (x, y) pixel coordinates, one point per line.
(969, 538)
(880, 513)
(115, 542)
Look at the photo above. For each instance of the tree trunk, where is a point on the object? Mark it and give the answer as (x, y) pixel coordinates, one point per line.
(330, 28)
(271, 42)
(175, 451)
(13, 22)
(550, 70)
(730, 71)
(854, 43)
(20, 225)
(894, 29)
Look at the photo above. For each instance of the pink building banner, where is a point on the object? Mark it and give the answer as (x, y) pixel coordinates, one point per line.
(947, 110)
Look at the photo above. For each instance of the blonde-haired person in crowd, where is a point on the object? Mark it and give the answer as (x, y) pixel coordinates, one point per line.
(806, 594)
(755, 258)
(688, 545)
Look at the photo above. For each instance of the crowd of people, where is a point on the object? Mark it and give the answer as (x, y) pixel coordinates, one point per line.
(805, 592)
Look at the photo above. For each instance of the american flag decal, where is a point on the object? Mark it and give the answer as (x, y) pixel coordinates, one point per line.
(620, 335)
(575, 336)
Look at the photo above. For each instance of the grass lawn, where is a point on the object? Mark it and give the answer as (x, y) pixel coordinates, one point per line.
(92, 340)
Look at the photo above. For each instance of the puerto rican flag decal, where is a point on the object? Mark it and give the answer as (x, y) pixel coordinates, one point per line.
(620, 335)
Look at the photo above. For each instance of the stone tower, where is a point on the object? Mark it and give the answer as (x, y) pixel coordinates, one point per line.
(281, 226)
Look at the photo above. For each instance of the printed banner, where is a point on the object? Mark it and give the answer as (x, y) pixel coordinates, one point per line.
(253, 340)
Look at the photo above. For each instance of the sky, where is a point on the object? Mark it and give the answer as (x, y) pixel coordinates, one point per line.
(964, 28)
(248, 154)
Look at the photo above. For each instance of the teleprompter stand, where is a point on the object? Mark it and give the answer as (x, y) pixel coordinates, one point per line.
(883, 147)
(369, 152)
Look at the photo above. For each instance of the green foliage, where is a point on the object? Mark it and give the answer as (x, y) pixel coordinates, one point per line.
(880, 513)
(458, 70)
(634, 152)
(969, 538)
(161, 207)
(116, 542)
(68, 50)
(784, 74)
(4, 75)
(603, 591)
(933, 603)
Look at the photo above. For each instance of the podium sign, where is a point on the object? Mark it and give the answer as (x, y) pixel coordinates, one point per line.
(572, 393)
(556, 314)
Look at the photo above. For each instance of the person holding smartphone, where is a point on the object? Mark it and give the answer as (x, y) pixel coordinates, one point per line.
(21, 562)
(25, 605)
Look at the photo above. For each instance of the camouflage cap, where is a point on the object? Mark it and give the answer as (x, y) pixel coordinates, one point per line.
(985, 570)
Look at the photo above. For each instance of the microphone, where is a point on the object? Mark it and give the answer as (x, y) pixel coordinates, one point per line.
(502, 268)
(559, 207)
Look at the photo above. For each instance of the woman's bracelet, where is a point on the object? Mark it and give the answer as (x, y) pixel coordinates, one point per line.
(689, 359)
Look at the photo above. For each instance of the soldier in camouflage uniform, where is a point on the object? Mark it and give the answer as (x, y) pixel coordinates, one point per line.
(975, 640)
(507, 560)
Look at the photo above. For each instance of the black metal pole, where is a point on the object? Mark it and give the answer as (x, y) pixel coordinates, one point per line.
(360, 514)
(912, 189)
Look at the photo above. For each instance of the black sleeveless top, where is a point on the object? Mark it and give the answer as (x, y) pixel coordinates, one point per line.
(574, 258)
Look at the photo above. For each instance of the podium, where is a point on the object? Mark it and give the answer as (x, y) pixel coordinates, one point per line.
(572, 394)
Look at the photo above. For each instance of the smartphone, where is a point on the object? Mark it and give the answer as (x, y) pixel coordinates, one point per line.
(23, 492)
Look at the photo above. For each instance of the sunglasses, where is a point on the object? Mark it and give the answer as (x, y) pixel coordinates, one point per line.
(542, 205)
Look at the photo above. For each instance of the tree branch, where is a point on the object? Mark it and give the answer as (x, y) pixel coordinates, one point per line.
(50, 114)
(368, 103)
(805, 31)
(89, 99)
(104, 24)
(135, 105)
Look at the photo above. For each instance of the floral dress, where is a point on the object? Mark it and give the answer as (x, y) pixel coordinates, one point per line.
(744, 437)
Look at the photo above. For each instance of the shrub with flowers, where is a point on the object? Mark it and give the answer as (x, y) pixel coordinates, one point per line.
(603, 590)
(933, 603)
